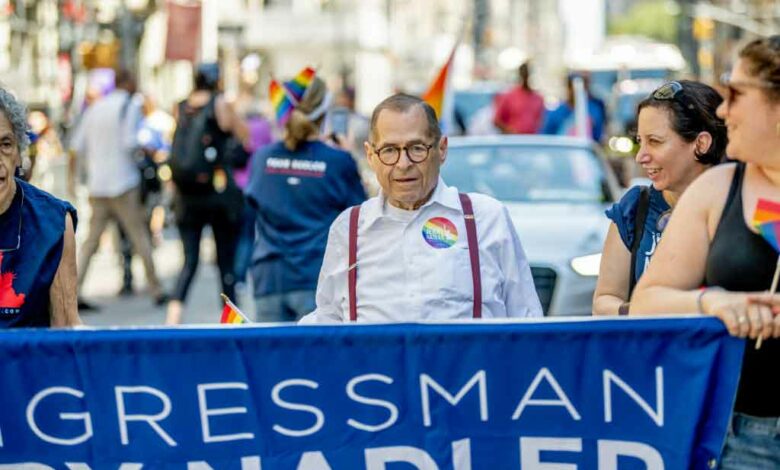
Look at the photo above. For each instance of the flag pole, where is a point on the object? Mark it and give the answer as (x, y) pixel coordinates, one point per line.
(233, 306)
(772, 291)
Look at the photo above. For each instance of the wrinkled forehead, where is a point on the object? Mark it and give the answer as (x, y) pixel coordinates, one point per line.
(401, 127)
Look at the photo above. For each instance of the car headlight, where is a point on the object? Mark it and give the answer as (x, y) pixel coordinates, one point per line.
(587, 265)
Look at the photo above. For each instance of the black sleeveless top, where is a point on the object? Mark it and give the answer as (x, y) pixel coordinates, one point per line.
(740, 260)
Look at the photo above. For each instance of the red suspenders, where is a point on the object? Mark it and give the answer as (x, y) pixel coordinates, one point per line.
(471, 238)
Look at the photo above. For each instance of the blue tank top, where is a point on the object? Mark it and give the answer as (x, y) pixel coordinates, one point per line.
(623, 213)
(31, 240)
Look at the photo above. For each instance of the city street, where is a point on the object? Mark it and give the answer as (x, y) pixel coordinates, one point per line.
(104, 281)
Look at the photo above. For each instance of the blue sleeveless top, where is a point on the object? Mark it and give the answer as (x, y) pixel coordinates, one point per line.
(623, 213)
(31, 240)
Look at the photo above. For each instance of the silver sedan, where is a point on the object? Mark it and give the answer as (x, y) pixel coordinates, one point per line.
(556, 189)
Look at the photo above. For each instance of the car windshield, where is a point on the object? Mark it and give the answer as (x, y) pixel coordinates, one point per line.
(527, 173)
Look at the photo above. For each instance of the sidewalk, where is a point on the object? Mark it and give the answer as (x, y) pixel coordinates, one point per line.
(104, 281)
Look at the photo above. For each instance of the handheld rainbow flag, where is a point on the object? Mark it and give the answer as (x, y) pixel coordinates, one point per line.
(766, 211)
(281, 102)
(771, 233)
(298, 85)
(231, 314)
(766, 219)
(437, 92)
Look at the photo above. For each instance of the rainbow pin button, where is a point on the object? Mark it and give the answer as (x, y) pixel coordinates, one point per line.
(440, 232)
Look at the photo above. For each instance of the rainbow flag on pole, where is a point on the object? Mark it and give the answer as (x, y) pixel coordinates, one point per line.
(298, 85)
(437, 91)
(281, 102)
(766, 211)
(231, 314)
(766, 219)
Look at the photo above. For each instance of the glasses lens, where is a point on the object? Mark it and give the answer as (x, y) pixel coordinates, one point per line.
(389, 155)
(418, 152)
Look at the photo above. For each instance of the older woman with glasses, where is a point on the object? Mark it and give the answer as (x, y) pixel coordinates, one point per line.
(711, 241)
(679, 138)
(37, 246)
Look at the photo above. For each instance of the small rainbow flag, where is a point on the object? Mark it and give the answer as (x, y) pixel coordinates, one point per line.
(298, 85)
(766, 211)
(281, 102)
(438, 90)
(231, 314)
(771, 233)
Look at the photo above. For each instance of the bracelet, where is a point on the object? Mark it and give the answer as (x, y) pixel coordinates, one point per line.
(700, 297)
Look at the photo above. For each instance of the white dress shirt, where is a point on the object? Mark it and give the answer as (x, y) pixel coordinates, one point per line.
(407, 271)
(104, 139)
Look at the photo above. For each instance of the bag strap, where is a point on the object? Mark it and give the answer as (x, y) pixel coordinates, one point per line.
(471, 238)
(354, 215)
(639, 228)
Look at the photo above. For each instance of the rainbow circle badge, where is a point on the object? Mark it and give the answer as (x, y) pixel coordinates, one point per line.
(440, 232)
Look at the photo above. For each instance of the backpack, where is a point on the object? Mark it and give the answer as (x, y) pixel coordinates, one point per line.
(198, 149)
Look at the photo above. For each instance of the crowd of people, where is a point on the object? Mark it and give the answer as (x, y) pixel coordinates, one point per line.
(420, 249)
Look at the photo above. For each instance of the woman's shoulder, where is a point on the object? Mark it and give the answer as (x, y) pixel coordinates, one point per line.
(712, 183)
(623, 212)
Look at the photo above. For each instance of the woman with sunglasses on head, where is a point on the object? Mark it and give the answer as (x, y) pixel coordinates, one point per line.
(37, 245)
(679, 138)
(711, 242)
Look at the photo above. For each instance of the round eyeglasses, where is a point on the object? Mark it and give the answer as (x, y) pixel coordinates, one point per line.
(390, 154)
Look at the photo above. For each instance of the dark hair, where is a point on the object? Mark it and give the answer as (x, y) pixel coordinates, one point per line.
(207, 77)
(762, 58)
(402, 102)
(698, 116)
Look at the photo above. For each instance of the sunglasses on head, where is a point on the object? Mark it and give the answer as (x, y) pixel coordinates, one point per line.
(672, 91)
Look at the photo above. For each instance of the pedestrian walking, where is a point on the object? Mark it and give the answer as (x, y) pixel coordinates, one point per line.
(206, 193)
(105, 139)
(298, 187)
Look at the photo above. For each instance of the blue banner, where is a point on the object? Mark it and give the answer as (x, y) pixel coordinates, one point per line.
(564, 395)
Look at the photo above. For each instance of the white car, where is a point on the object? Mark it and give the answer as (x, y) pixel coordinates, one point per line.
(556, 189)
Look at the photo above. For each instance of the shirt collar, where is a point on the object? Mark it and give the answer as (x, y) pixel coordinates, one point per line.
(443, 195)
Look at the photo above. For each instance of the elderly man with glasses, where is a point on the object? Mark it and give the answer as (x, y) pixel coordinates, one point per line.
(420, 250)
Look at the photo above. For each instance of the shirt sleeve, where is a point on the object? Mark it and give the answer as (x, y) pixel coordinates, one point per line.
(333, 276)
(520, 295)
(623, 213)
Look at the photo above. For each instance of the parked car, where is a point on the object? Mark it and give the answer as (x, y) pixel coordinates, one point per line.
(556, 189)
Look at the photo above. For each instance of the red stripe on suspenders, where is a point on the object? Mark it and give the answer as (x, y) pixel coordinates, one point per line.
(471, 238)
(354, 215)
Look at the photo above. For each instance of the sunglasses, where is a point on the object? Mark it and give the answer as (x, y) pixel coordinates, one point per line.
(732, 88)
(673, 91)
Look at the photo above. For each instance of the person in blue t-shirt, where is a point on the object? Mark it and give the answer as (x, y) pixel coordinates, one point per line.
(679, 138)
(297, 188)
(37, 243)
(561, 119)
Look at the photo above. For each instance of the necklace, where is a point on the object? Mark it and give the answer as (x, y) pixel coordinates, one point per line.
(19, 232)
